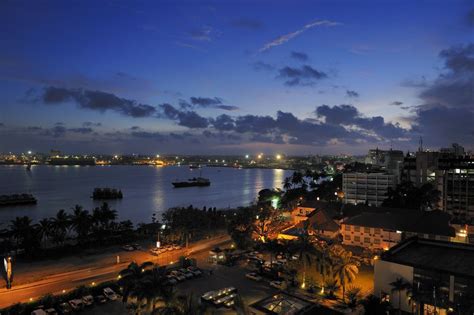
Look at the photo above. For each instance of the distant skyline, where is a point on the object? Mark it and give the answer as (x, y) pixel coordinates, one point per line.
(235, 77)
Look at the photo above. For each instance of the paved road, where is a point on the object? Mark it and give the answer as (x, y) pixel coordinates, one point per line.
(98, 269)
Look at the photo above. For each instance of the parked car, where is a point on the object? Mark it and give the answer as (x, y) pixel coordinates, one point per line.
(38, 312)
(171, 279)
(253, 276)
(88, 300)
(136, 246)
(178, 275)
(128, 248)
(76, 304)
(280, 285)
(186, 273)
(195, 271)
(64, 308)
(51, 311)
(100, 299)
(110, 294)
(175, 246)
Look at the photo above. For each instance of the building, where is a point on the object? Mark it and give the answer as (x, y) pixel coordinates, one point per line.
(321, 222)
(387, 160)
(451, 174)
(440, 276)
(367, 188)
(382, 230)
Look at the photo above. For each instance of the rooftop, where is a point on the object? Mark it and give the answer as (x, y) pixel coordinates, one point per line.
(448, 257)
(416, 221)
(284, 303)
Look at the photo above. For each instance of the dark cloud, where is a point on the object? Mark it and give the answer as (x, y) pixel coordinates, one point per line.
(470, 17)
(247, 23)
(206, 102)
(91, 124)
(348, 115)
(396, 103)
(148, 135)
(34, 128)
(262, 66)
(97, 100)
(55, 132)
(352, 94)
(304, 76)
(184, 118)
(134, 128)
(223, 123)
(83, 130)
(300, 56)
(252, 123)
(2, 124)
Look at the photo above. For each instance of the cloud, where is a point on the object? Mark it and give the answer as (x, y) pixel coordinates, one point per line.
(82, 130)
(134, 128)
(202, 34)
(186, 118)
(96, 100)
(285, 38)
(300, 56)
(206, 102)
(262, 66)
(91, 124)
(470, 17)
(223, 123)
(304, 76)
(2, 125)
(396, 103)
(148, 135)
(247, 23)
(352, 94)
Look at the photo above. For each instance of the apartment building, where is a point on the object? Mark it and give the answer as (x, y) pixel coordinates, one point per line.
(367, 188)
(439, 274)
(383, 230)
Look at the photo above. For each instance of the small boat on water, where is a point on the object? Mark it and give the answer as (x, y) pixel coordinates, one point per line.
(107, 193)
(17, 199)
(193, 182)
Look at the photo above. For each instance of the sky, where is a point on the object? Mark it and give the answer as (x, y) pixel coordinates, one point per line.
(235, 77)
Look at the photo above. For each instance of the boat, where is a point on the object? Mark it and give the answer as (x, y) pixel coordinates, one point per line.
(107, 193)
(193, 182)
(17, 199)
(193, 166)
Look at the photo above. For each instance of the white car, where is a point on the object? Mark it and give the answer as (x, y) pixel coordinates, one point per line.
(188, 274)
(88, 300)
(110, 294)
(178, 275)
(76, 304)
(195, 271)
(171, 279)
(280, 285)
(128, 248)
(254, 276)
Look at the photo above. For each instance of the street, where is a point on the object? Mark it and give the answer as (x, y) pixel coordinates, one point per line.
(54, 277)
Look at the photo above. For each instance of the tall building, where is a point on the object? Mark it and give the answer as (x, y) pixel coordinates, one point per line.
(387, 160)
(367, 188)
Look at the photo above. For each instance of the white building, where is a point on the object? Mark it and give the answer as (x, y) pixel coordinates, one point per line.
(367, 188)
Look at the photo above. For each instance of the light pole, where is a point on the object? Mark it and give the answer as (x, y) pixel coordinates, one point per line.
(7, 263)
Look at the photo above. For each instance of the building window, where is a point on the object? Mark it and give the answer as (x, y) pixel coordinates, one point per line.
(347, 237)
(348, 227)
(357, 228)
(357, 238)
(367, 240)
(377, 241)
(377, 231)
(366, 230)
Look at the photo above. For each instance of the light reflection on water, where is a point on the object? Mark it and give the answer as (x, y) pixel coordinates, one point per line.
(146, 189)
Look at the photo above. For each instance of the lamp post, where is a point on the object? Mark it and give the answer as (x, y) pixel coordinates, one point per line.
(7, 263)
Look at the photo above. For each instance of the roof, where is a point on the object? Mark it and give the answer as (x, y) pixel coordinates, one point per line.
(448, 257)
(284, 303)
(322, 220)
(426, 222)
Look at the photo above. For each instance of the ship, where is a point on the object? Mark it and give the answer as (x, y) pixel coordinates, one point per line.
(17, 199)
(107, 193)
(193, 182)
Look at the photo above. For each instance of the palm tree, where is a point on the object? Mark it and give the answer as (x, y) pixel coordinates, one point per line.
(330, 286)
(353, 297)
(181, 305)
(152, 286)
(21, 230)
(60, 225)
(130, 276)
(305, 248)
(399, 285)
(81, 222)
(345, 271)
(287, 184)
(44, 229)
(297, 178)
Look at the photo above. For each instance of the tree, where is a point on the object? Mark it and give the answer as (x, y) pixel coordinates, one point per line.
(44, 229)
(407, 195)
(267, 220)
(24, 233)
(240, 227)
(345, 271)
(330, 287)
(398, 286)
(374, 306)
(81, 222)
(130, 276)
(353, 297)
(305, 249)
(287, 184)
(60, 225)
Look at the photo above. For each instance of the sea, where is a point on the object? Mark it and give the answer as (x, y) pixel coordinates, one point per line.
(147, 190)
